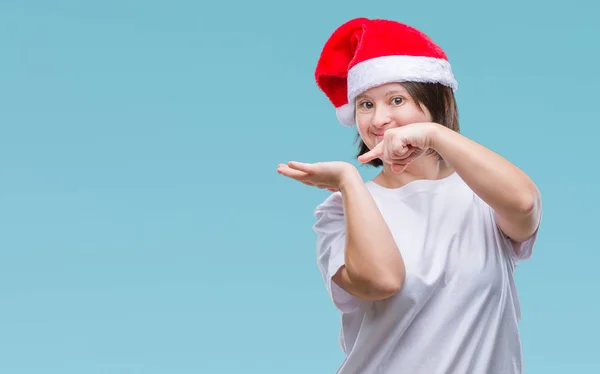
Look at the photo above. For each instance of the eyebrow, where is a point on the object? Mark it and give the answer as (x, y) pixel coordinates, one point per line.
(386, 94)
(395, 92)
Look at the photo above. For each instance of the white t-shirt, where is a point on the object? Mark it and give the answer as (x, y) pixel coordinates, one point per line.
(458, 310)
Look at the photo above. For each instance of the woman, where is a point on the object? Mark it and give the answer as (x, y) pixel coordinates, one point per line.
(419, 260)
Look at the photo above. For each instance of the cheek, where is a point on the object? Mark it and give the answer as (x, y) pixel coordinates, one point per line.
(423, 117)
(362, 127)
(411, 116)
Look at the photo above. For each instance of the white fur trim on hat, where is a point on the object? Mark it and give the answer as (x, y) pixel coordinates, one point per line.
(398, 68)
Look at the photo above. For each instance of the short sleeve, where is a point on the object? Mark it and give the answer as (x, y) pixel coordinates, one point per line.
(524, 250)
(516, 251)
(330, 229)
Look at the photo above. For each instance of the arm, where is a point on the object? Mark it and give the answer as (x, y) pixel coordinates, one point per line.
(373, 268)
(512, 195)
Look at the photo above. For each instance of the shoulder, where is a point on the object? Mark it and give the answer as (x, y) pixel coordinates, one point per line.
(332, 205)
(330, 219)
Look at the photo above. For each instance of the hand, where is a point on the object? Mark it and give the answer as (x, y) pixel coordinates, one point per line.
(402, 145)
(327, 175)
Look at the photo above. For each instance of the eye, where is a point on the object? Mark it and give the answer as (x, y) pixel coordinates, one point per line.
(366, 105)
(397, 100)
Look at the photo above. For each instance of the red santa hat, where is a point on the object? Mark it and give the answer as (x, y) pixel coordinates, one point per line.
(364, 53)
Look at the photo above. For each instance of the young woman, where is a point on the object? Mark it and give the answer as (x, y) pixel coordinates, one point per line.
(419, 260)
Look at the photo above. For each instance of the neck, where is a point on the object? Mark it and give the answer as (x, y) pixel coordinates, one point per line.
(425, 167)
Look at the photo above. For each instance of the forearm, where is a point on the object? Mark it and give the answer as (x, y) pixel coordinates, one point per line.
(503, 186)
(373, 260)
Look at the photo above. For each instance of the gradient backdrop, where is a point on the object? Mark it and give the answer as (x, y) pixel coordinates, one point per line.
(143, 226)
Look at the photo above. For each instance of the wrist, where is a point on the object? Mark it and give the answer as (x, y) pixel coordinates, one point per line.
(435, 133)
(349, 178)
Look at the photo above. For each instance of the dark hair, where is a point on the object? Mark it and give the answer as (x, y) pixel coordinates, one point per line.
(440, 102)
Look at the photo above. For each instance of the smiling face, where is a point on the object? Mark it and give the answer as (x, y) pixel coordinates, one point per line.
(385, 107)
(399, 104)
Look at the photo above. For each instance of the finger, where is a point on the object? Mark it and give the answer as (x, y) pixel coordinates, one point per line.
(405, 151)
(289, 172)
(402, 157)
(332, 190)
(374, 153)
(301, 166)
(399, 168)
(413, 155)
(400, 151)
(388, 152)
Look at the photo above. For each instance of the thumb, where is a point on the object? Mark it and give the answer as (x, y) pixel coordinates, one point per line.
(301, 166)
(374, 153)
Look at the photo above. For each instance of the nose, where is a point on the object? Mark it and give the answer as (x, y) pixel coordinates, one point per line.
(382, 117)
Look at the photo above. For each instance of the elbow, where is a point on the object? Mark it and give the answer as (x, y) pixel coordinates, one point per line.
(529, 203)
(386, 288)
(526, 206)
(382, 286)
(377, 278)
(523, 200)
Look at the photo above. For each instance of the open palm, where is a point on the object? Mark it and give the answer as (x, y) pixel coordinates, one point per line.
(327, 175)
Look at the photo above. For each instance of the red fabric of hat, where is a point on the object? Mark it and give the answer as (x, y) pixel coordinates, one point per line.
(364, 53)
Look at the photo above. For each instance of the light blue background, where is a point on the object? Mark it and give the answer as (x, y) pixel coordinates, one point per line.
(143, 226)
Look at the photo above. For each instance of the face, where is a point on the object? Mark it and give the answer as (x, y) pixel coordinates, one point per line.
(385, 107)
